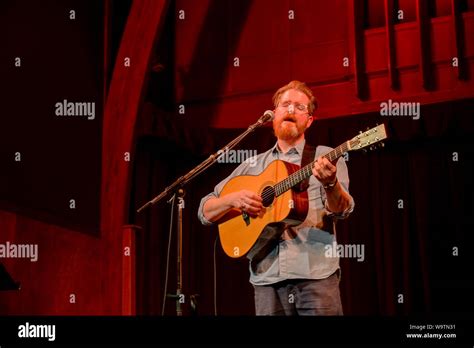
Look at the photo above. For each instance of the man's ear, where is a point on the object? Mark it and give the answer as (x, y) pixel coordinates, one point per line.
(310, 121)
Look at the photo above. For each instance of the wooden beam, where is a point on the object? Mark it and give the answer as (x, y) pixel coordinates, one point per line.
(390, 44)
(423, 24)
(459, 40)
(129, 277)
(356, 12)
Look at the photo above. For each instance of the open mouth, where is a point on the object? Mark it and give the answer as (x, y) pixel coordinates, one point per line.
(289, 119)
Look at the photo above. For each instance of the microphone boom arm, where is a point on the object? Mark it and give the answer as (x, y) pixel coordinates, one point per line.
(183, 180)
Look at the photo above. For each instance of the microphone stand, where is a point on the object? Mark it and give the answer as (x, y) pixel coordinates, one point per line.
(177, 188)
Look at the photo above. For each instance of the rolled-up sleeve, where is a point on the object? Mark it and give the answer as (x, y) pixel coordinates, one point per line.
(343, 178)
(242, 169)
(201, 216)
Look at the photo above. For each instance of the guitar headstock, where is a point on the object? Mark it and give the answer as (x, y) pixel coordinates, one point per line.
(368, 139)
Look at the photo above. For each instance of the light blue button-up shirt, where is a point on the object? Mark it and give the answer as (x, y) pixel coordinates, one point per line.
(301, 252)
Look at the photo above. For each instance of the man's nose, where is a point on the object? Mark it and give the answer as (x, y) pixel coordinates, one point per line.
(291, 109)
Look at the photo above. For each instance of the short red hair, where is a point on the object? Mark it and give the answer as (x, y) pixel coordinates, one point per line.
(299, 86)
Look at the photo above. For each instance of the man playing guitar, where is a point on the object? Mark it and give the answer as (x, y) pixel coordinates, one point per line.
(294, 277)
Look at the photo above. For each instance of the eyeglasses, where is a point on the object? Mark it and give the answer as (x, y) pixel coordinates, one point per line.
(292, 108)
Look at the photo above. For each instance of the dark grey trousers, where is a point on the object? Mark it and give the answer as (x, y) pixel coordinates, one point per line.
(300, 297)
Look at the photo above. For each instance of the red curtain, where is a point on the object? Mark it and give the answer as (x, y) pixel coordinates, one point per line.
(410, 263)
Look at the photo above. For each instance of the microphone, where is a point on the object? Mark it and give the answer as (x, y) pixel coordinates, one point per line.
(266, 117)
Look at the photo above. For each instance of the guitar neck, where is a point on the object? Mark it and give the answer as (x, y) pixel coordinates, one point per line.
(305, 172)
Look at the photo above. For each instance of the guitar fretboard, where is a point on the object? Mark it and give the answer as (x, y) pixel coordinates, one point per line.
(307, 171)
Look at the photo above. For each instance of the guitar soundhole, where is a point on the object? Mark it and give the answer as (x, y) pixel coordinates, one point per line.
(268, 195)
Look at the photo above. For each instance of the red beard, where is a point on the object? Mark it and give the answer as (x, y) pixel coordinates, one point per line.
(289, 130)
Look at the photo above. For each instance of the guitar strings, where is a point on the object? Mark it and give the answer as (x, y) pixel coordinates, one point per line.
(302, 173)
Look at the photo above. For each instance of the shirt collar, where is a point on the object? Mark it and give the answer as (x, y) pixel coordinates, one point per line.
(298, 148)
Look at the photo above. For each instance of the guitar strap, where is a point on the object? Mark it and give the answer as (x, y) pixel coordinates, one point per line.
(309, 152)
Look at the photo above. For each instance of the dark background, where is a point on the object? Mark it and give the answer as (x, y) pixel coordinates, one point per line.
(409, 251)
(60, 59)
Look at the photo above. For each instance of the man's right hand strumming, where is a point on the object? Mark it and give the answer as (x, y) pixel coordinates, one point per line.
(245, 200)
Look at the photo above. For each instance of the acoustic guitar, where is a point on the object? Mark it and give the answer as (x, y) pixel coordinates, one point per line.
(283, 203)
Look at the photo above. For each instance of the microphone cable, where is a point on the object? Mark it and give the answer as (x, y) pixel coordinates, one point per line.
(215, 275)
(168, 254)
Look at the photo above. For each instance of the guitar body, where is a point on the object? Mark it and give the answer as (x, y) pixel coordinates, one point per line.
(242, 234)
(239, 232)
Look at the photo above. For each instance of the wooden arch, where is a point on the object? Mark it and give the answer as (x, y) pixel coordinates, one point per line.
(120, 115)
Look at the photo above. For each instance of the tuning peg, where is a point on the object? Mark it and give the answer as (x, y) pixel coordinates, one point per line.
(382, 144)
